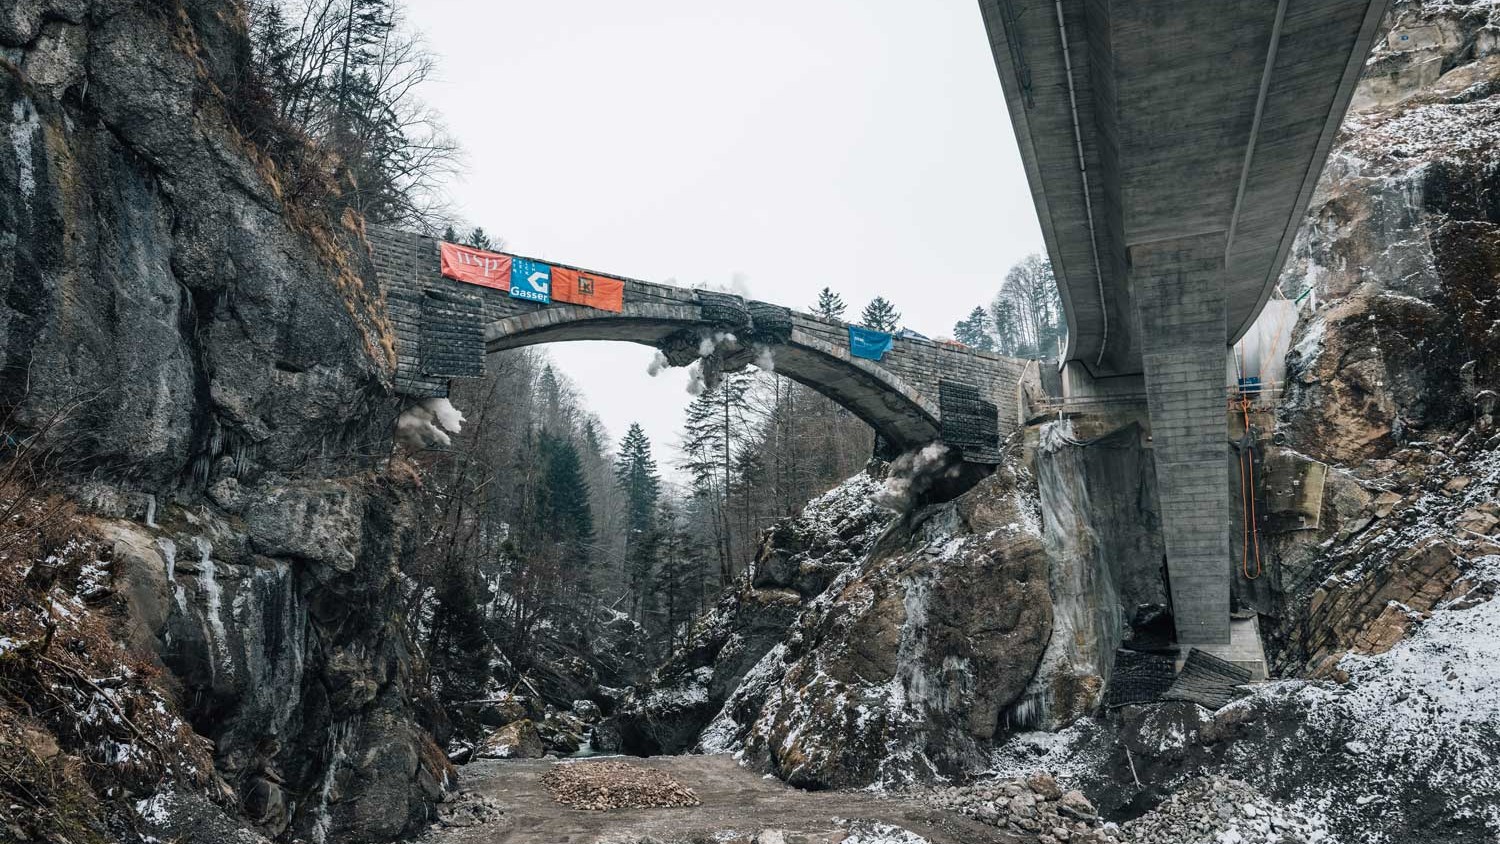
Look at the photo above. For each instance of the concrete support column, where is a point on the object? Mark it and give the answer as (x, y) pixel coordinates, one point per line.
(1179, 294)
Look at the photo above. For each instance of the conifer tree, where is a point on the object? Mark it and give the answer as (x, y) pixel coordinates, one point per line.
(479, 240)
(974, 331)
(830, 305)
(881, 315)
(566, 517)
(636, 474)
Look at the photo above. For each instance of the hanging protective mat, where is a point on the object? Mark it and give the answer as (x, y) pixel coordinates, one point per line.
(452, 335)
(1208, 680)
(1140, 677)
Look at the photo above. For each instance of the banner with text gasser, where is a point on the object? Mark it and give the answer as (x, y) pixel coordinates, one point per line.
(475, 266)
(579, 287)
(869, 343)
(530, 280)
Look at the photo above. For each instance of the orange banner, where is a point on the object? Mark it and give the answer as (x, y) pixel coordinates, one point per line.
(586, 288)
(475, 266)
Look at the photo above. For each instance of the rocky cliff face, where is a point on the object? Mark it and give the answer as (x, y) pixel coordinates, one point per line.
(866, 648)
(199, 343)
(1393, 380)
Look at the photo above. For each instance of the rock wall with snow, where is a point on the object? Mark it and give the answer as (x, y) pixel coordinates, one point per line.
(865, 647)
(206, 352)
(1393, 379)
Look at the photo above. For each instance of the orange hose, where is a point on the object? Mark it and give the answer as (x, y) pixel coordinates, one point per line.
(1247, 502)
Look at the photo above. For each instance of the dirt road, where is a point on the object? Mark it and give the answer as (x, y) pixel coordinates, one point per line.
(739, 807)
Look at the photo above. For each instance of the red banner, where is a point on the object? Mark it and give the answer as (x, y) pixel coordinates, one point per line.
(586, 288)
(475, 266)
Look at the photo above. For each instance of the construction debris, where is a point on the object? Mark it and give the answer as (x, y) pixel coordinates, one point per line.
(615, 785)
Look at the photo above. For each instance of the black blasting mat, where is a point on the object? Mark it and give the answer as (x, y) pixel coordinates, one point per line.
(452, 335)
(772, 323)
(1140, 677)
(1207, 680)
(725, 310)
(969, 422)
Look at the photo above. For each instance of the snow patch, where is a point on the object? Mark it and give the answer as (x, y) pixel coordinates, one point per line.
(23, 127)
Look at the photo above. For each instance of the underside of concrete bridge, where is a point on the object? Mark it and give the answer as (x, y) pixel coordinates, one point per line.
(1172, 149)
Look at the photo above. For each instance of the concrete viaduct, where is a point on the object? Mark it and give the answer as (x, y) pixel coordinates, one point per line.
(920, 391)
(1172, 148)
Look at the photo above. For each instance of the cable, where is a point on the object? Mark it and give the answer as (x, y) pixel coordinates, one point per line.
(1083, 171)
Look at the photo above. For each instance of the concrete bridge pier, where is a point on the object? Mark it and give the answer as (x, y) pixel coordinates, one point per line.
(1180, 308)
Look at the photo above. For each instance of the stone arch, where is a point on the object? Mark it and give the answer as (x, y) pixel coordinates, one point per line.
(895, 409)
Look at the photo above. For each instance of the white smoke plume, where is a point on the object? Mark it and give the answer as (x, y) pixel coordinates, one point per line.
(711, 342)
(738, 284)
(704, 373)
(658, 363)
(429, 424)
(695, 378)
(765, 358)
(449, 418)
(913, 473)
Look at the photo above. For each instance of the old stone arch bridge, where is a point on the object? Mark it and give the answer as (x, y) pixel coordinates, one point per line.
(920, 391)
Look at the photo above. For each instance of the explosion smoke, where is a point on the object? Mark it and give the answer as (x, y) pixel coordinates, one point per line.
(695, 378)
(428, 424)
(915, 472)
(765, 358)
(658, 363)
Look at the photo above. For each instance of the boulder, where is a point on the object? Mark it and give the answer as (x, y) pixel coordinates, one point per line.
(561, 732)
(503, 710)
(901, 672)
(1076, 805)
(516, 740)
(586, 711)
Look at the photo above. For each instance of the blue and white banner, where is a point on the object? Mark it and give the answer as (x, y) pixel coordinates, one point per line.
(530, 280)
(864, 342)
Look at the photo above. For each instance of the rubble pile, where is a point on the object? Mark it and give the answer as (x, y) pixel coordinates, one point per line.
(467, 809)
(1223, 810)
(615, 785)
(1036, 805)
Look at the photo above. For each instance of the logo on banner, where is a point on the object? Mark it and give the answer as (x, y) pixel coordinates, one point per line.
(475, 266)
(530, 280)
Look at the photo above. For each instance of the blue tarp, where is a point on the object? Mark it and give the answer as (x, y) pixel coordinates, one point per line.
(869, 343)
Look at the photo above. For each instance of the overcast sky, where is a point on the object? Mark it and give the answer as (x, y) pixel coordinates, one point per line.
(859, 144)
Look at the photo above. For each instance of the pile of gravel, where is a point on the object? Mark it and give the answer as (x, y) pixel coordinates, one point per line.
(615, 785)
(467, 809)
(1035, 806)
(1224, 810)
